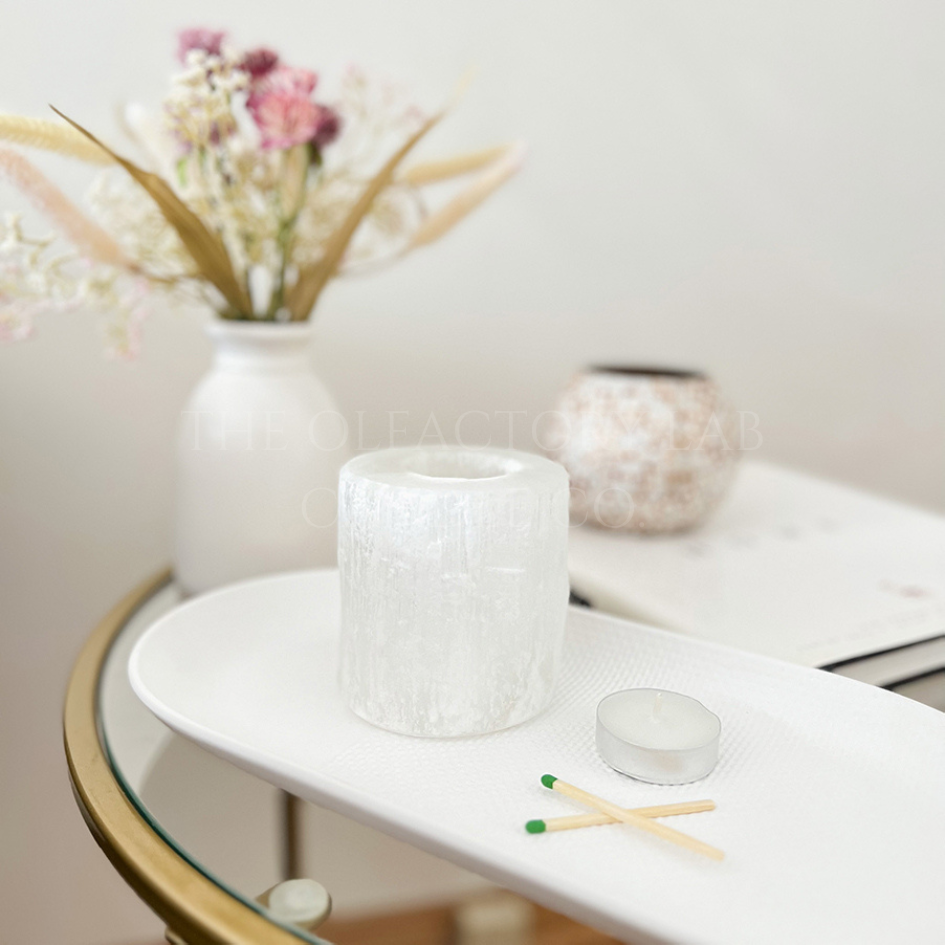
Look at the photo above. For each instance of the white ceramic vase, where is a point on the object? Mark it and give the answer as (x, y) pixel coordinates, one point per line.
(260, 447)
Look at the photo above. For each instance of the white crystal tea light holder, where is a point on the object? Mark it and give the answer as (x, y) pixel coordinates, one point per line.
(454, 587)
(657, 736)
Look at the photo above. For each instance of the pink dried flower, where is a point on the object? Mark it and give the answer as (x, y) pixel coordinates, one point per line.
(259, 62)
(208, 41)
(284, 118)
(287, 79)
(329, 126)
(284, 113)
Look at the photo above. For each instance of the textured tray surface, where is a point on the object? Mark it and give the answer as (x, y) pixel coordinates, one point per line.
(830, 792)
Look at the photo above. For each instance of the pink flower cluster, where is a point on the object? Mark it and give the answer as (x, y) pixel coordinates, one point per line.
(280, 97)
(280, 102)
(208, 41)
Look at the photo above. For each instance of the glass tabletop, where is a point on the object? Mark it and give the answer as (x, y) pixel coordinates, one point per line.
(226, 824)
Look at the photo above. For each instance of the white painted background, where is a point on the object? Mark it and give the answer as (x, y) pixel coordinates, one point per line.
(753, 188)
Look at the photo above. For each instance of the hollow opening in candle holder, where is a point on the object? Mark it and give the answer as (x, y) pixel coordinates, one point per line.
(679, 374)
(460, 464)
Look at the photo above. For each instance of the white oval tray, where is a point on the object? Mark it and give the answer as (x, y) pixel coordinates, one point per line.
(830, 793)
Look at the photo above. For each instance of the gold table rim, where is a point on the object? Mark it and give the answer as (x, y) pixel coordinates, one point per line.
(192, 905)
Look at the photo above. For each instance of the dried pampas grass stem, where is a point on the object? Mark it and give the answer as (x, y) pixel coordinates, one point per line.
(50, 136)
(495, 175)
(432, 172)
(88, 237)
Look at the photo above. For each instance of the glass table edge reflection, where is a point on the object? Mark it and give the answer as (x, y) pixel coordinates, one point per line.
(197, 908)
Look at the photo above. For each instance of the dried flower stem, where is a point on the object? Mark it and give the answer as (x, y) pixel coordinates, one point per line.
(432, 172)
(205, 246)
(89, 238)
(50, 136)
(301, 300)
(441, 222)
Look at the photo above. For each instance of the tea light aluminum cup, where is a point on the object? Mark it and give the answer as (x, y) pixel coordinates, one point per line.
(657, 736)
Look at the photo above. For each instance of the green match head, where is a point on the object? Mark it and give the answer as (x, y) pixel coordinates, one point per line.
(535, 826)
(548, 780)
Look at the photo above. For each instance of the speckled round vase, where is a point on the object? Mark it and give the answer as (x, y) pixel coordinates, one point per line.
(647, 450)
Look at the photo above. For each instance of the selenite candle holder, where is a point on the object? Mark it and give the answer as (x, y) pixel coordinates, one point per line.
(454, 587)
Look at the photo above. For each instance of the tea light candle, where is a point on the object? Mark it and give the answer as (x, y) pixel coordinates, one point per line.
(657, 736)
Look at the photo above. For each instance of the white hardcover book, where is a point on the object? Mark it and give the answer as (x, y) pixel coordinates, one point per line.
(790, 566)
(890, 668)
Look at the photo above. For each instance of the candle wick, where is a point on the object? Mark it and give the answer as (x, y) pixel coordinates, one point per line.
(657, 705)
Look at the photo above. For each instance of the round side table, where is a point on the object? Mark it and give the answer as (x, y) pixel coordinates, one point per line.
(109, 739)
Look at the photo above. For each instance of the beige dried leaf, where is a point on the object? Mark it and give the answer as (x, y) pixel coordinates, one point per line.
(430, 172)
(443, 220)
(205, 247)
(292, 185)
(51, 136)
(301, 297)
(88, 237)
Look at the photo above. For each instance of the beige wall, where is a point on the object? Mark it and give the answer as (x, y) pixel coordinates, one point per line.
(751, 188)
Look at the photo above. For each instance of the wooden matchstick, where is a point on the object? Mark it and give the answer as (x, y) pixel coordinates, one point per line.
(628, 817)
(551, 824)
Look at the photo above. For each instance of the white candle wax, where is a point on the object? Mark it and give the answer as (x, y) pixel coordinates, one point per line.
(657, 736)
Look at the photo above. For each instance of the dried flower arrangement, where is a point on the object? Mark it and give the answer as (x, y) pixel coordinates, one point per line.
(249, 195)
